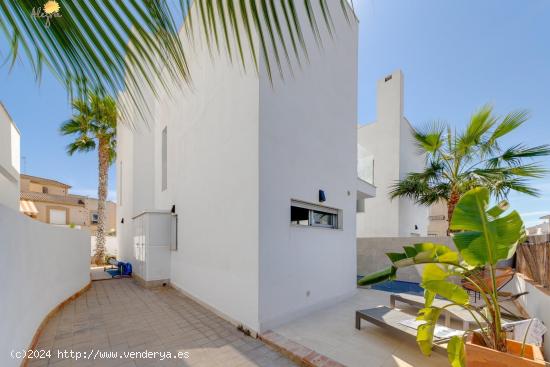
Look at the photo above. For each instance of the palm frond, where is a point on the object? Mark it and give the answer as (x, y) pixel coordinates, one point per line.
(511, 121)
(458, 162)
(514, 155)
(76, 125)
(480, 124)
(430, 138)
(94, 119)
(111, 46)
(82, 144)
(420, 191)
(501, 189)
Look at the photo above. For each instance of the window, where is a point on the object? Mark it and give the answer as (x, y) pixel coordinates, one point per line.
(164, 159)
(44, 190)
(94, 218)
(119, 193)
(305, 214)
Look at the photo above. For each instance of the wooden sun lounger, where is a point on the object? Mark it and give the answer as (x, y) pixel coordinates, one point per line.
(449, 312)
(389, 319)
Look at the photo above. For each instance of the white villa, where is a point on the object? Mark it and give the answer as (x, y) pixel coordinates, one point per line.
(243, 195)
(386, 154)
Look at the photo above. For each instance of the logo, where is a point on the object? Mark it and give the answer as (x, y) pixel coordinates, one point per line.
(50, 10)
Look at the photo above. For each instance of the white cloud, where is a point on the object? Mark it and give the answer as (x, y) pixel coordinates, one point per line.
(534, 214)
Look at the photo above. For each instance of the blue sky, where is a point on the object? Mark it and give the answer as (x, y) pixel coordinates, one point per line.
(455, 55)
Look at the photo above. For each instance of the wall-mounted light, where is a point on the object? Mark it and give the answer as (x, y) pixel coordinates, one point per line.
(122, 221)
(415, 227)
(322, 196)
(173, 211)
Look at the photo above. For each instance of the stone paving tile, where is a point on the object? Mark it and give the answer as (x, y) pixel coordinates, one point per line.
(118, 316)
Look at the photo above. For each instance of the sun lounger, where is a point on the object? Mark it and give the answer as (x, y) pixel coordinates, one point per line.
(405, 325)
(455, 312)
(395, 321)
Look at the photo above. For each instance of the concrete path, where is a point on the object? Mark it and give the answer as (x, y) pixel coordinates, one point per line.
(117, 317)
(332, 332)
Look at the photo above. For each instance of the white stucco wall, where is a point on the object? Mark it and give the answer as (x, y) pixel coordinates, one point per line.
(413, 218)
(212, 130)
(389, 141)
(135, 167)
(9, 160)
(232, 170)
(40, 267)
(308, 143)
(536, 303)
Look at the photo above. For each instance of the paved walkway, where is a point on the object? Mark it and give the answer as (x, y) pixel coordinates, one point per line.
(120, 316)
(331, 331)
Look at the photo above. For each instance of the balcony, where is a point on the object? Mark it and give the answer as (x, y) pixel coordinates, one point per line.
(365, 165)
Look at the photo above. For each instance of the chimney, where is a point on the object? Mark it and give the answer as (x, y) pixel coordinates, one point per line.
(389, 98)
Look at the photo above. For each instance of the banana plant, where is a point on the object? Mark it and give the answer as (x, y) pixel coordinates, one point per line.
(483, 236)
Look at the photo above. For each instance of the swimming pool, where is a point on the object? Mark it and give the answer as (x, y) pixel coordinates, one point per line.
(399, 286)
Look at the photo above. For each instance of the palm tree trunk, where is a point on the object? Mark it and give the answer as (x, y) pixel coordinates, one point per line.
(103, 153)
(451, 204)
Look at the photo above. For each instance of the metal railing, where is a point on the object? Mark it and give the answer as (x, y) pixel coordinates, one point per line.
(365, 165)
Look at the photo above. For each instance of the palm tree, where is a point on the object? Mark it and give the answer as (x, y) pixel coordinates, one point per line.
(457, 162)
(108, 46)
(94, 126)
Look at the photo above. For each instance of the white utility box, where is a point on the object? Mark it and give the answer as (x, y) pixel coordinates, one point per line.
(154, 240)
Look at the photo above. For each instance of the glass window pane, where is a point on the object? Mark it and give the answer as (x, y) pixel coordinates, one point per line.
(323, 219)
(299, 216)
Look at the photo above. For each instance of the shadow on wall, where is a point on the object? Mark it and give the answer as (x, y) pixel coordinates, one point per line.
(371, 254)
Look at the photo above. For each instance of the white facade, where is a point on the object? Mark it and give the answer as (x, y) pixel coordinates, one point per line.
(229, 157)
(387, 154)
(9, 160)
(541, 228)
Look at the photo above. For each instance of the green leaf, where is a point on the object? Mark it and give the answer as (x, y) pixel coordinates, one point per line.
(498, 209)
(379, 276)
(423, 247)
(433, 272)
(395, 256)
(453, 292)
(449, 257)
(486, 238)
(410, 251)
(425, 332)
(429, 297)
(455, 352)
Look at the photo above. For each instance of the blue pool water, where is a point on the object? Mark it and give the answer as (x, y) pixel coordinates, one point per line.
(399, 286)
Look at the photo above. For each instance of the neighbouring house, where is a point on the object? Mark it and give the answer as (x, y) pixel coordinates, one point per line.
(243, 194)
(9, 160)
(541, 228)
(49, 201)
(387, 154)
